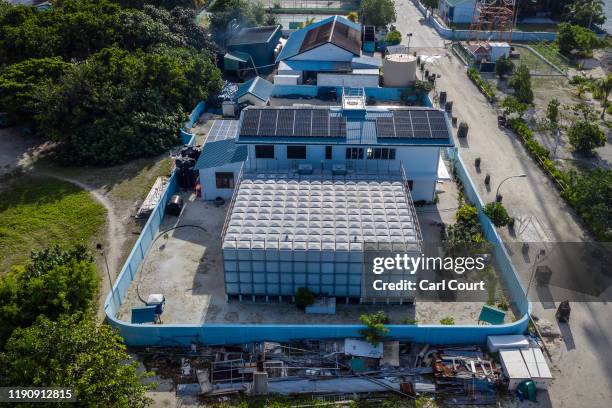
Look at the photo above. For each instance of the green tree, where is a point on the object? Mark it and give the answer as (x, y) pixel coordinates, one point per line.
(591, 193)
(575, 41)
(587, 12)
(503, 66)
(23, 84)
(521, 83)
(513, 107)
(353, 16)
(76, 353)
(394, 37)
(378, 12)
(497, 214)
(375, 330)
(584, 133)
(552, 113)
(53, 283)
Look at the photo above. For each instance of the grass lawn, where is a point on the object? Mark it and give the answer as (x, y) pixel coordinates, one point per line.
(37, 212)
(550, 51)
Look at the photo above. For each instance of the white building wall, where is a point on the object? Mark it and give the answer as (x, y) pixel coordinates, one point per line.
(420, 163)
(351, 80)
(325, 52)
(209, 185)
(252, 99)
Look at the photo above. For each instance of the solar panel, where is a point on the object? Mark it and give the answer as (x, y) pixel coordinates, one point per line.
(337, 126)
(267, 123)
(250, 122)
(303, 122)
(320, 122)
(284, 126)
(385, 127)
(413, 124)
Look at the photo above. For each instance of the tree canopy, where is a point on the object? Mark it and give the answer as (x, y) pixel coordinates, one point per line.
(110, 83)
(74, 352)
(576, 41)
(586, 12)
(378, 12)
(53, 283)
(243, 12)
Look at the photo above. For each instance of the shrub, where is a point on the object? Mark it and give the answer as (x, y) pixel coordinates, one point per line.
(521, 83)
(394, 37)
(467, 214)
(497, 213)
(503, 66)
(585, 136)
(304, 298)
(447, 321)
(375, 331)
(576, 41)
(484, 86)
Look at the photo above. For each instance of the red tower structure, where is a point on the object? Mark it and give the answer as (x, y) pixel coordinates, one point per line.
(493, 15)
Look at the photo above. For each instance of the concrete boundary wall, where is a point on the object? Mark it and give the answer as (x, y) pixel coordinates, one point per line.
(464, 35)
(311, 91)
(219, 334)
(186, 136)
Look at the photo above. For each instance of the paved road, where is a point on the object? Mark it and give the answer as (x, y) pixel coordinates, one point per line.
(581, 359)
(410, 20)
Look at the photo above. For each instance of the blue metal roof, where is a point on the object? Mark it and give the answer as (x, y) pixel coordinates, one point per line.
(294, 43)
(258, 87)
(222, 152)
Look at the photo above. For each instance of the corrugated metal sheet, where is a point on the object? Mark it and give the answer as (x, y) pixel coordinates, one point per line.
(222, 152)
(258, 87)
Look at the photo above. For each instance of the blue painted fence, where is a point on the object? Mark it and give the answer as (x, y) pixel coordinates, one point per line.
(186, 136)
(218, 334)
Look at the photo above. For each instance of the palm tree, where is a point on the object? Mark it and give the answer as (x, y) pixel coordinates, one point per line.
(307, 22)
(604, 86)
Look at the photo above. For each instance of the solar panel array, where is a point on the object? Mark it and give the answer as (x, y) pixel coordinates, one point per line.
(292, 122)
(413, 124)
(222, 129)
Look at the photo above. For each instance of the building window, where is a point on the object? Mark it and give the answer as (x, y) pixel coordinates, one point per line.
(354, 153)
(380, 153)
(328, 152)
(264, 151)
(296, 152)
(410, 184)
(224, 179)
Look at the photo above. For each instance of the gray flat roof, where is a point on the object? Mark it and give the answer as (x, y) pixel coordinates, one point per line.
(288, 211)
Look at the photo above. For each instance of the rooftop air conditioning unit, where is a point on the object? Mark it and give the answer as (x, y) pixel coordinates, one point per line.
(339, 169)
(305, 168)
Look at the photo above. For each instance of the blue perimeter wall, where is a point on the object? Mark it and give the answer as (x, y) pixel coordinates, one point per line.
(220, 334)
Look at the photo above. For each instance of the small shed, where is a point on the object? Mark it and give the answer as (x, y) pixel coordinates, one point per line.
(499, 49)
(456, 11)
(258, 43)
(256, 92)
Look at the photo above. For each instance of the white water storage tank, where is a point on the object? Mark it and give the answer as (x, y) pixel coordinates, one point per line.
(399, 70)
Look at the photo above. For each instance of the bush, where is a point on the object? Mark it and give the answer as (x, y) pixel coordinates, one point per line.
(585, 136)
(497, 213)
(394, 37)
(575, 41)
(304, 298)
(467, 214)
(376, 330)
(503, 66)
(447, 321)
(521, 83)
(512, 106)
(55, 282)
(484, 86)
